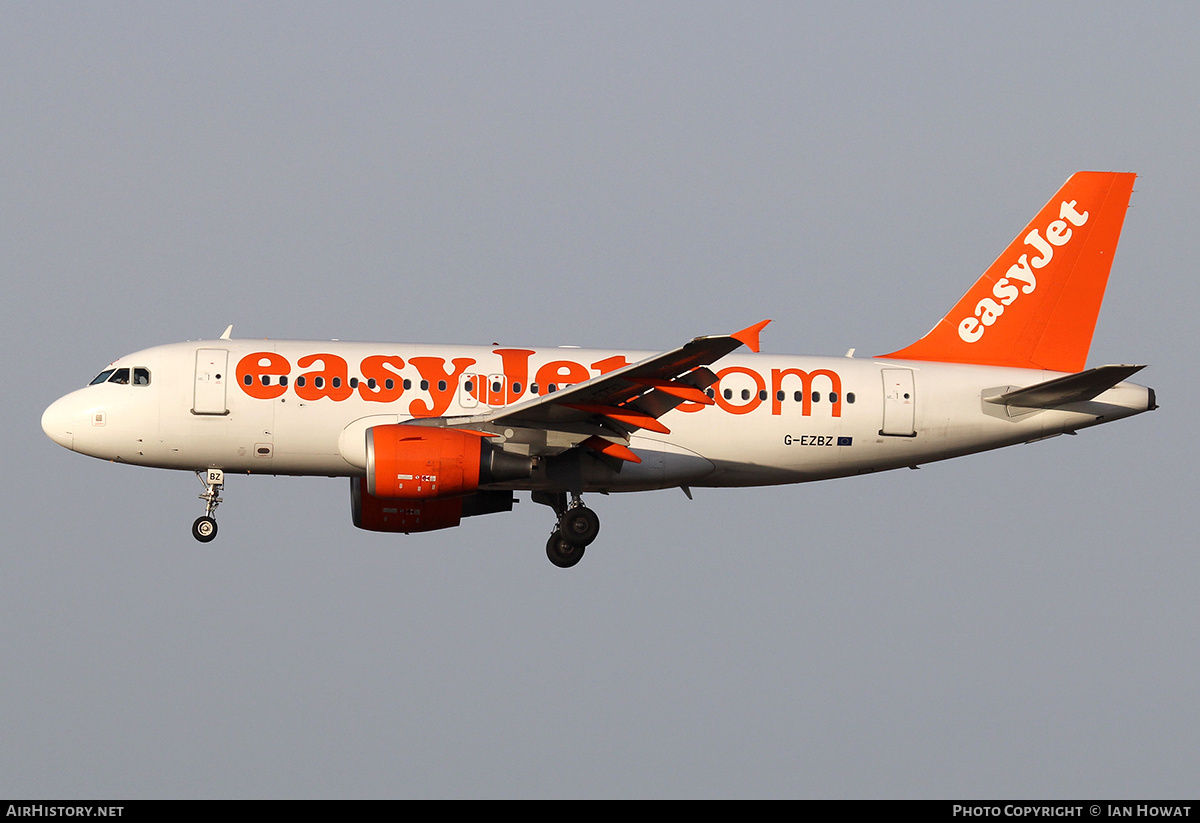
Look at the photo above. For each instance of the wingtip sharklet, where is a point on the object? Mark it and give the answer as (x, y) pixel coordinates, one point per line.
(749, 335)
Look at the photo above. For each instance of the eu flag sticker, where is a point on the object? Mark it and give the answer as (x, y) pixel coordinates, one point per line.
(845, 441)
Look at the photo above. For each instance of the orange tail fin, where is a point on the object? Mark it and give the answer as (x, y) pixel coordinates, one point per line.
(1036, 306)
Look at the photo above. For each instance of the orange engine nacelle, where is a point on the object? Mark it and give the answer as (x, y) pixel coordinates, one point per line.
(417, 462)
(381, 514)
(409, 462)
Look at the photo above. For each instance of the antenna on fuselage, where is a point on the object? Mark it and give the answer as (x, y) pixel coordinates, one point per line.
(228, 331)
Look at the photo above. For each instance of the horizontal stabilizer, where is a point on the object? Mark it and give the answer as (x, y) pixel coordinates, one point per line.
(1074, 388)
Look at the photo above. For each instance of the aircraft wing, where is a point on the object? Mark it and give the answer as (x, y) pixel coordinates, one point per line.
(600, 413)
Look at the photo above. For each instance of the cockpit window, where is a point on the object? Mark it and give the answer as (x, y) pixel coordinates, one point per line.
(140, 375)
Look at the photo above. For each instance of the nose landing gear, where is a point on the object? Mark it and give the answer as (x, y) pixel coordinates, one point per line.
(205, 528)
(576, 527)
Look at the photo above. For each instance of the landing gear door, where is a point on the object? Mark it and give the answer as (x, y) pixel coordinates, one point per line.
(211, 377)
(899, 403)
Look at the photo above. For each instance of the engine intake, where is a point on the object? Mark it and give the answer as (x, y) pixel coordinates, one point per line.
(409, 462)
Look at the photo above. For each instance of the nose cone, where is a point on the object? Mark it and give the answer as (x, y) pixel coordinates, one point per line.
(59, 421)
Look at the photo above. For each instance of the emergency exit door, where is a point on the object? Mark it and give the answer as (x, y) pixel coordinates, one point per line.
(211, 378)
(899, 403)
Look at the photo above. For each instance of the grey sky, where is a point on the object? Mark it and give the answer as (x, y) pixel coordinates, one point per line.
(1022, 623)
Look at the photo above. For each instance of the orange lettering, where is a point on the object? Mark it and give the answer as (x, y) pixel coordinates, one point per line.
(755, 399)
(442, 384)
(610, 364)
(330, 382)
(560, 372)
(835, 385)
(387, 384)
(515, 365)
(254, 370)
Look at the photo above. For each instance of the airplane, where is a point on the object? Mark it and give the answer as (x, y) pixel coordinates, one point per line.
(430, 434)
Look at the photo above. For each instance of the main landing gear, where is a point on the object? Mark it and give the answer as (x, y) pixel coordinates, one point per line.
(576, 527)
(205, 528)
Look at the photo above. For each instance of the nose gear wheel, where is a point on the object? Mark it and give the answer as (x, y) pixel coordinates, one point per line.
(204, 528)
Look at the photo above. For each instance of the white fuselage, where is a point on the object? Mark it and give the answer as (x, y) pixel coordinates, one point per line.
(303, 408)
